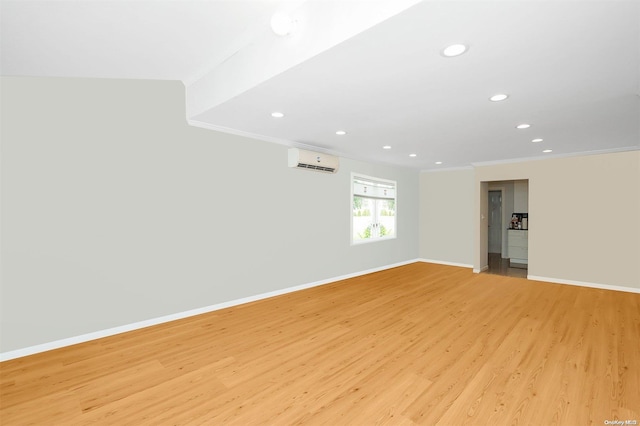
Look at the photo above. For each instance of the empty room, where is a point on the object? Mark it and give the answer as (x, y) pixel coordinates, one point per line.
(258, 212)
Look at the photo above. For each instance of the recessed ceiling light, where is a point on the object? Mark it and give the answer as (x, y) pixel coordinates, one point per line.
(341, 132)
(547, 150)
(438, 162)
(277, 114)
(498, 97)
(282, 24)
(386, 147)
(413, 155)
(536, 140)
(454, 50)
(523, 126)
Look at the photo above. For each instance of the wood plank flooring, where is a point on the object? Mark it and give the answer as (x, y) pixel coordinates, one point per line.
(500, 266)
(419, 344)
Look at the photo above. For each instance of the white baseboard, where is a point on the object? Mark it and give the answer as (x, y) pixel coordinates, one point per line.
(477, 271)
(584, 284)
(443, 262)
(31, 350)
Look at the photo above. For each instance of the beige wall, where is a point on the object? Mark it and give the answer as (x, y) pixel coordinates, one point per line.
(583, 217)
(521, 196)
(446, 216)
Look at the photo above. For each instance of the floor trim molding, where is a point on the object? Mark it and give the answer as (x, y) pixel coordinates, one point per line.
(31, 350)
(69, 341)
(584, 284)
(443, 262)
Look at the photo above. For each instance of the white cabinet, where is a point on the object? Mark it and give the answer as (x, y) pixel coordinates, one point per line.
(518, 243)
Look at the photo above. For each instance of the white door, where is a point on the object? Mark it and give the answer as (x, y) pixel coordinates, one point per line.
(495, 222)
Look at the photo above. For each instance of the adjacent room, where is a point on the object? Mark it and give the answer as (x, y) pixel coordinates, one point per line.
(320, 212)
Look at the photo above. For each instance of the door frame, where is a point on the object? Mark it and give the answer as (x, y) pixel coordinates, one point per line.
(503, 234)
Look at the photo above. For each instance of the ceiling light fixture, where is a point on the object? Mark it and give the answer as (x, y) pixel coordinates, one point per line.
(536, 140)
(386, 147)
(341, 132)
(523, 126)
(277, 114)
(413, 155)
(454, 50)
(547, 151)
(438, 162)
(282, 24)
(499, 97)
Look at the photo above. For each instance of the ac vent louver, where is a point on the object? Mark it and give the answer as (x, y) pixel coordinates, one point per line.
(311, 166)
(316, 161)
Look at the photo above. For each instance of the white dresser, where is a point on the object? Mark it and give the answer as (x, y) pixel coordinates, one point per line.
(518, 244)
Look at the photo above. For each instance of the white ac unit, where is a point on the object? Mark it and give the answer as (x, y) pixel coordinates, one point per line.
(302, 159)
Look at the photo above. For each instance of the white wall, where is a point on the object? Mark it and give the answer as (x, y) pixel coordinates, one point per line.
(115, 211)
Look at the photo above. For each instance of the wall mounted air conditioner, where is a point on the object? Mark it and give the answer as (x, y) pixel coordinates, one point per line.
(302, 159)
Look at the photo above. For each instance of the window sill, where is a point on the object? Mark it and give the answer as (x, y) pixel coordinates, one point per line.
(372, 240)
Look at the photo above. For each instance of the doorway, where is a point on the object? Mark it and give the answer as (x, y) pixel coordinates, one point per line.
(503, 199)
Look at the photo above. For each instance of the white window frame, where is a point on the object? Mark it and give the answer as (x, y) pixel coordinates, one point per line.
(352, 182)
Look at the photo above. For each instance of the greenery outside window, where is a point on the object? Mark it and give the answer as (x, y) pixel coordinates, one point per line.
(373, 209)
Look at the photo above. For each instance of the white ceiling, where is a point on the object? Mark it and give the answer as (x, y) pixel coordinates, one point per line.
(372, 68)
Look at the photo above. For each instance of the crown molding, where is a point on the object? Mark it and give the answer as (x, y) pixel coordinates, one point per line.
(547, 157)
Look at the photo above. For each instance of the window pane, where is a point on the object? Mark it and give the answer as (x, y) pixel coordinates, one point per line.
(386, 217)
(362, 218)
(373, 212)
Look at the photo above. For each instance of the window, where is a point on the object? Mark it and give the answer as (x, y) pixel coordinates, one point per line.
(373, 209)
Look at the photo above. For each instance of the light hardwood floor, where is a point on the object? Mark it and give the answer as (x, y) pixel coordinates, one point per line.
(420, 344)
